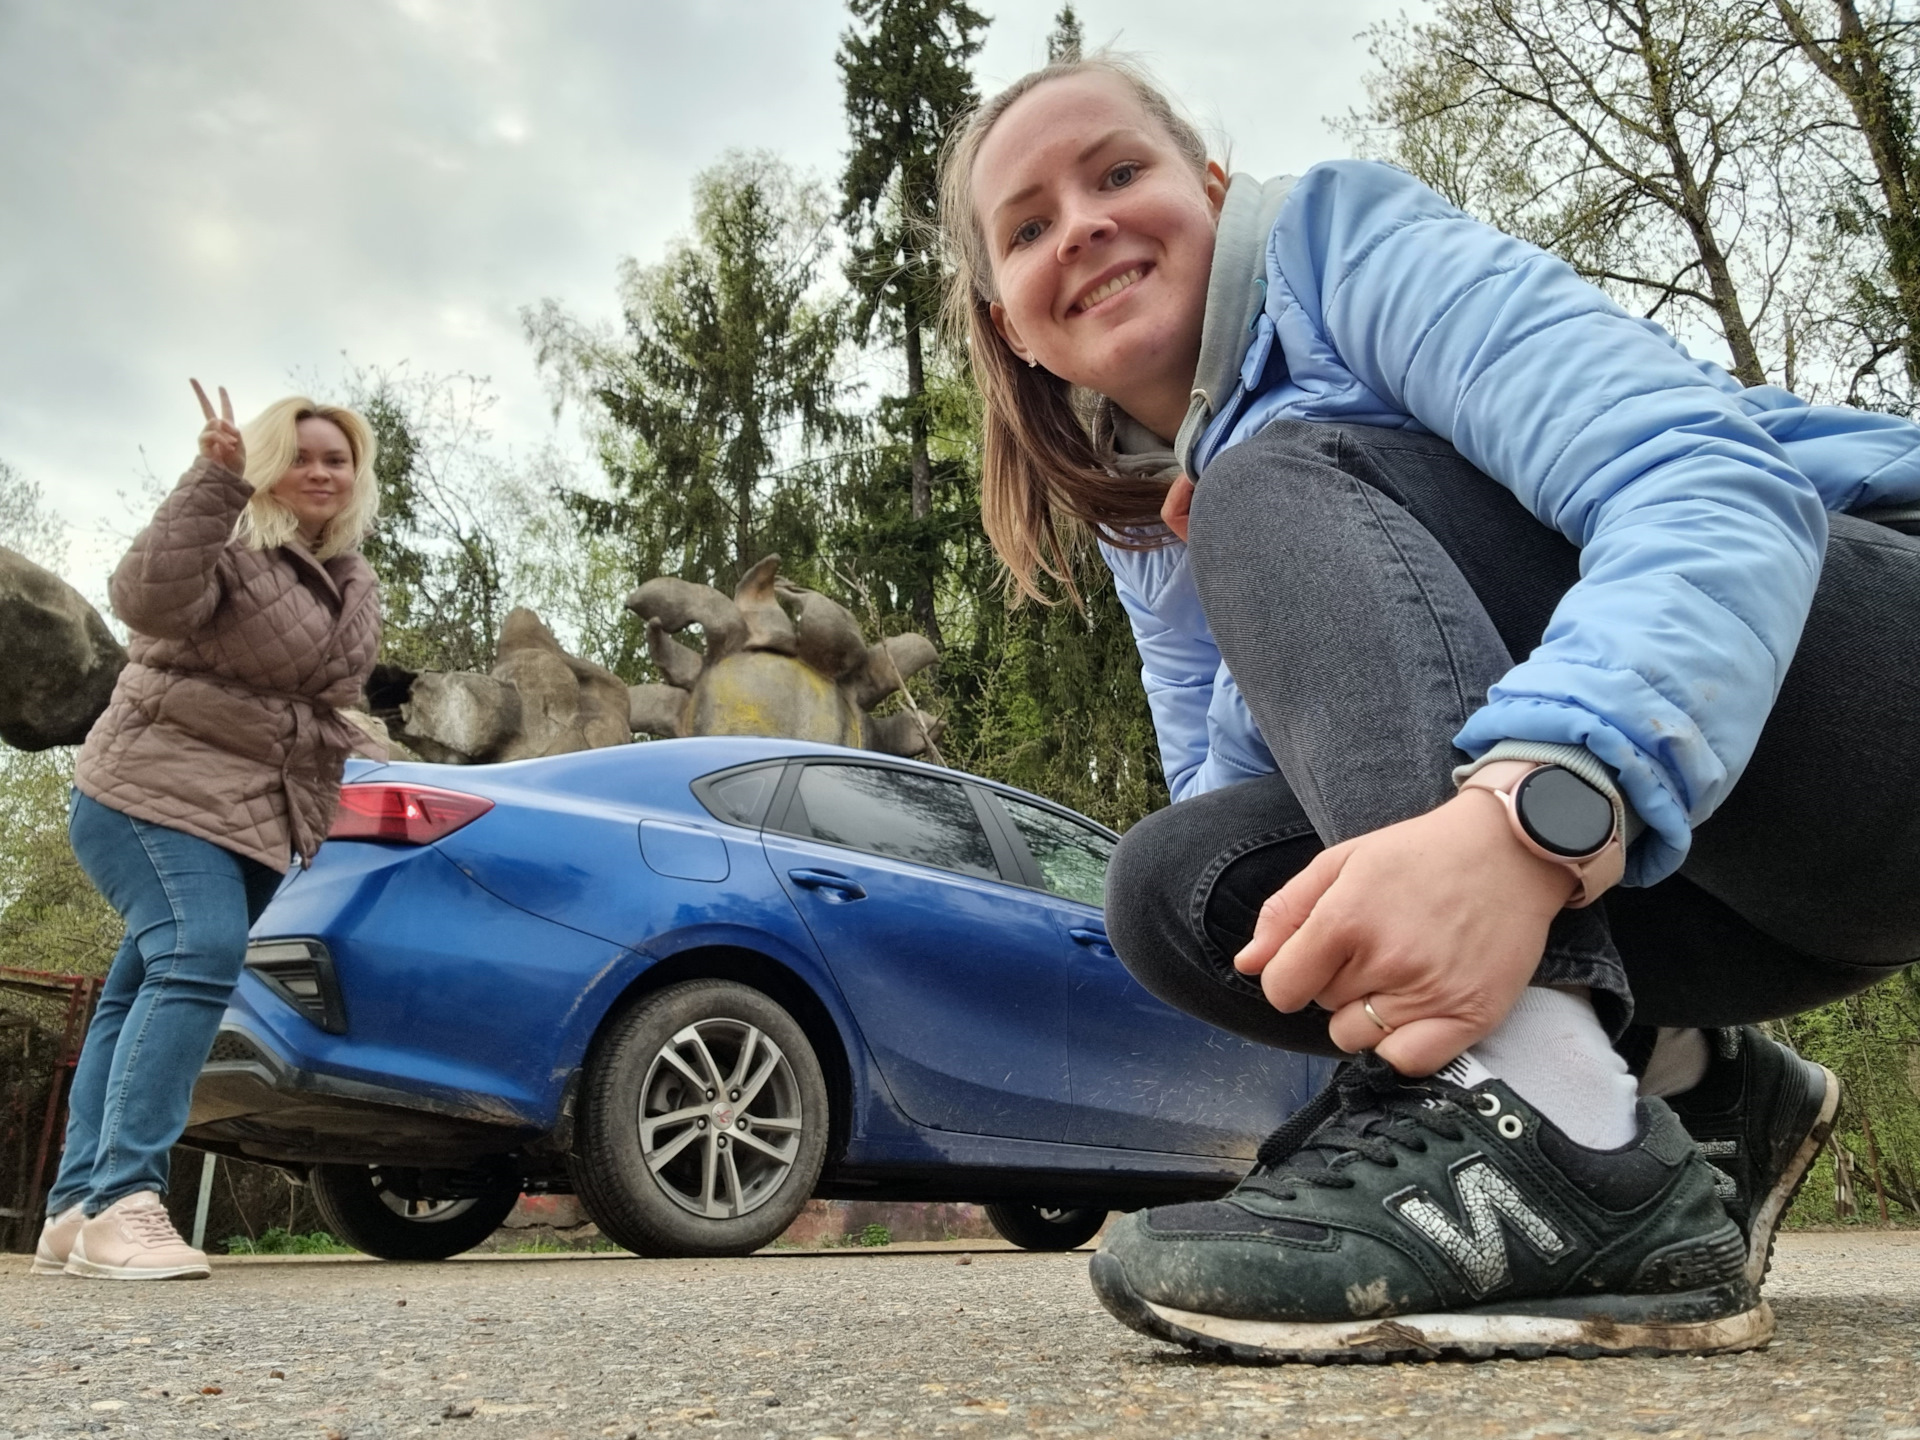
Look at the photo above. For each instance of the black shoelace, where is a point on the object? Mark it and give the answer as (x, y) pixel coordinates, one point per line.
(1368, 1112)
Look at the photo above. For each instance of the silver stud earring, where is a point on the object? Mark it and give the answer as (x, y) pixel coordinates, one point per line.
(1031, 362)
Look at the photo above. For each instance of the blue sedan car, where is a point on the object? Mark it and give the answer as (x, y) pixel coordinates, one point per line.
(699, 981)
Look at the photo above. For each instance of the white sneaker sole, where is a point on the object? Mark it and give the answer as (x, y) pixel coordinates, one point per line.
(1479, 1337)
(92, 1270)
(47, 1265)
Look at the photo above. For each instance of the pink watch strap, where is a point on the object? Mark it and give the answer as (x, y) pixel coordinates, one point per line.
(1593, 874)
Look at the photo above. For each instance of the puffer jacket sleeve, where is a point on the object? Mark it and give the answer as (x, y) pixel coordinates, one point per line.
(1207, 736)
(169, 584)
(1856, 459)
(1701, 542)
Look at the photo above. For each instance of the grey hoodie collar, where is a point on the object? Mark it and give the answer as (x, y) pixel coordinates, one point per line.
(1236, 294)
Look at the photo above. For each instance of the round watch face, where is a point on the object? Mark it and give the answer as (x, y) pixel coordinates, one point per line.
(1562, 813)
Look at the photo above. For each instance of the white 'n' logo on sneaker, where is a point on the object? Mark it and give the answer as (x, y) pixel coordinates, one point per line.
(1486, 1198)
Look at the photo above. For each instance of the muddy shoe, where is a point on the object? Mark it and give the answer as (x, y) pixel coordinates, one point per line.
(133, 1239)
(56, 1241)
(1423, 1220)
(1759, 1116)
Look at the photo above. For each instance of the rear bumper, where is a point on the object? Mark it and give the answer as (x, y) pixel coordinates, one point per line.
(251, 1103)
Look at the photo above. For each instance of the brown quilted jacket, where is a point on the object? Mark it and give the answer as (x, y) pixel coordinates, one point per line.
(226, 723)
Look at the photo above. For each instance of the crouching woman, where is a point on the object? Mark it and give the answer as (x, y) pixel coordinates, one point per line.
(255, 622)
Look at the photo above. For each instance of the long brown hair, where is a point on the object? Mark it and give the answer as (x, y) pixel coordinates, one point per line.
(1043, 479)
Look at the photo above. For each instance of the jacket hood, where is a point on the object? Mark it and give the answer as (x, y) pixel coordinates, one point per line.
(1236, 296)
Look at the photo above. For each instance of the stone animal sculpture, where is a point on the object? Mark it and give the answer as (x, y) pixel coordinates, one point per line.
(539, 700)
(776, 660)
(61, 660)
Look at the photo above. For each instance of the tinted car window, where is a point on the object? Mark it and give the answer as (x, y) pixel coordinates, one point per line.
(1072, 858)
(892, 812)
(740, 797)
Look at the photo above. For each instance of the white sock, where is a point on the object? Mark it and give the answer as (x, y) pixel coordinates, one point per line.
(1677, 1064)
(1554, 1054)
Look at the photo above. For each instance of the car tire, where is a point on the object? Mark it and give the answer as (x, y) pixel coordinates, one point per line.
(1046, 1227)
(670, 1167)
(360, 1210)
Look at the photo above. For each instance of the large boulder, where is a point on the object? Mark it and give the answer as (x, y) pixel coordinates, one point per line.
(455, 717)
(375, 729)
(58, 660)
(763, 692)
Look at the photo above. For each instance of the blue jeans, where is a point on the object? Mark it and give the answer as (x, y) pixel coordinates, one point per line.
(188, 905)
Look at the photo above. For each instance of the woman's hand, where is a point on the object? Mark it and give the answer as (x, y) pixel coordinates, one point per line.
(220, 438)
(1174, 510)
(1439, 920)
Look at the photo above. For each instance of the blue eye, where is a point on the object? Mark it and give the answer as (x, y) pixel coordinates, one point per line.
(1027, 233)
(1123, 174)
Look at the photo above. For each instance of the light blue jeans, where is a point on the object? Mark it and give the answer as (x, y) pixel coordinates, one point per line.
(188, 905)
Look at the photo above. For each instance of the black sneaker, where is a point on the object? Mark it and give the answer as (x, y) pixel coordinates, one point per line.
(1759, 1116)
(1422, 1220)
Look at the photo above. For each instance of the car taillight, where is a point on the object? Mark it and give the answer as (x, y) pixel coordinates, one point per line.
(403, 814)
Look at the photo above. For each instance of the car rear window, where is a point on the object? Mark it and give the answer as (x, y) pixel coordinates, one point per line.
(893, 813)
(1072, 858)
(740, 796)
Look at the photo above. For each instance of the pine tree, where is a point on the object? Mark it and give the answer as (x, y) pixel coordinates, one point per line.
(904, 69)
(1064, 44)
(392, 549)
(708, 409)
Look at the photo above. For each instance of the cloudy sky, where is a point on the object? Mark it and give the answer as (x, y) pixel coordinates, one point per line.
(251, 190)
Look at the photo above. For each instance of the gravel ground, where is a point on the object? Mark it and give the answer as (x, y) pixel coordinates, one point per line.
(908, 1341)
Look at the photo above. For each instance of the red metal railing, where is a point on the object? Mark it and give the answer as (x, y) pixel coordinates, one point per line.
(75, 996)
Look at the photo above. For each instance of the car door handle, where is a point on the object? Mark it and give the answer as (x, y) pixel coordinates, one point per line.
(838, 887)
(1094, 940)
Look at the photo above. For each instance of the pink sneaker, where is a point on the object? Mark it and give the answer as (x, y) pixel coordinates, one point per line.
(56, 1241)
(133, 1239)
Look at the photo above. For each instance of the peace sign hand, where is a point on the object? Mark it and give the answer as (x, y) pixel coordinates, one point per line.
(220, 440)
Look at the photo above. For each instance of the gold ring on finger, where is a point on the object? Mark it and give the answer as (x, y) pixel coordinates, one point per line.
(1374, 1015)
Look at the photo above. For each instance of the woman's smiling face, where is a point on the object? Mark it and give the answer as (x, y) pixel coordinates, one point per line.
(1100, 235)
(319, 483)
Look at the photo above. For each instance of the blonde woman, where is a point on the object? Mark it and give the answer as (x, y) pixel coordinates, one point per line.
(255, 621)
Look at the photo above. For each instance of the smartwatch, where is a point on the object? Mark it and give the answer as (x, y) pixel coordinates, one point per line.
(1559, 817)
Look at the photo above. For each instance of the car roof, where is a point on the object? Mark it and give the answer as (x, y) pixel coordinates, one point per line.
(684, 760)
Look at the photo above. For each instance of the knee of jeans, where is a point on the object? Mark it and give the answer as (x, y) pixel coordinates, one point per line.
(1283, 463)
(210, 944)
(1229, 491)
(1147, 883)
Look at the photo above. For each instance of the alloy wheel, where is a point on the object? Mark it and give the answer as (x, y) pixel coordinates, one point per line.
(720, 1118)
(425, 1212)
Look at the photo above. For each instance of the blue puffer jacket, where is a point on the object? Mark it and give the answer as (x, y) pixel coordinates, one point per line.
(1700, 506)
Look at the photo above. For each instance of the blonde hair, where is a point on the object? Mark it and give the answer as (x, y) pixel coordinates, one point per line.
(273, 444)
(1043, 481)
